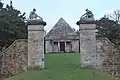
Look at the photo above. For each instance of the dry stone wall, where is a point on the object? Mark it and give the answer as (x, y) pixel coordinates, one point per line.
(109, 56)
(13, 60)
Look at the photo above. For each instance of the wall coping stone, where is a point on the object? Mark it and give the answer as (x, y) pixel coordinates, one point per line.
(1, 53)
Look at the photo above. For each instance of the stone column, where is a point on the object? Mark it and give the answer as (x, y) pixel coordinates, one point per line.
(87, 43)
(58, 46)
(65, 46)
(36, 43)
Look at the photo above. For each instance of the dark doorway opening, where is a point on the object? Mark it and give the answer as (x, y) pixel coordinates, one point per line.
(62, 46)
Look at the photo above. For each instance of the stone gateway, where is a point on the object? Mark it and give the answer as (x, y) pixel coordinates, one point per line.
(95, 52)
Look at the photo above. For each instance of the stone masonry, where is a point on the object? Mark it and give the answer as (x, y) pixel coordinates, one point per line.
(36, 43)
(101, 53)
(16, 58)
(108, 56)
(87, 44)
(13, 60)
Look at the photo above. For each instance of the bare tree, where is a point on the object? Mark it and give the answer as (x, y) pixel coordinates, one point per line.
(115, 16)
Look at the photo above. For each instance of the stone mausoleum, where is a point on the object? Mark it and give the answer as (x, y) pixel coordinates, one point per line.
(62, 38)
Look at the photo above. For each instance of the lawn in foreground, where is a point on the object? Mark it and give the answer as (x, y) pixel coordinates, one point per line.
(63, 66)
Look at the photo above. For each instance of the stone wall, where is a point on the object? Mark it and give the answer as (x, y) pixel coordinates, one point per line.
(108, 56)
(75, 45)
(13, 60)
(48, 46)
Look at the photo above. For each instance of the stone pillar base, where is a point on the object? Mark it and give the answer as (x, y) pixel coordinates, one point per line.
(36, 66)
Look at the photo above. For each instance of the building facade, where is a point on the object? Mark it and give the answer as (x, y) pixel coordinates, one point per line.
(62, 38)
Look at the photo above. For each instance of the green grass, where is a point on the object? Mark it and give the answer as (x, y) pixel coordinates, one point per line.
(63, 67)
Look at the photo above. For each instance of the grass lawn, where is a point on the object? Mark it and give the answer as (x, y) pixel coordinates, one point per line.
(63, 66)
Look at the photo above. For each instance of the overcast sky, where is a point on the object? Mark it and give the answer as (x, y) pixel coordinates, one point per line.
(70, 10)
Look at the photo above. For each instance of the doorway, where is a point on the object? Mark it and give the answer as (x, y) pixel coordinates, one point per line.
(62, 46)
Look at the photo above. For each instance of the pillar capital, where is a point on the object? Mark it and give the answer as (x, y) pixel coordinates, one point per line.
(36, 22)
(85, 22)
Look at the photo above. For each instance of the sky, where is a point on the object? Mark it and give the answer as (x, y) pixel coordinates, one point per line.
(71, 10)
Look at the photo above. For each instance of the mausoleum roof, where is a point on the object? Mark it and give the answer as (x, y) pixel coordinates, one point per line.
(62, 31)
